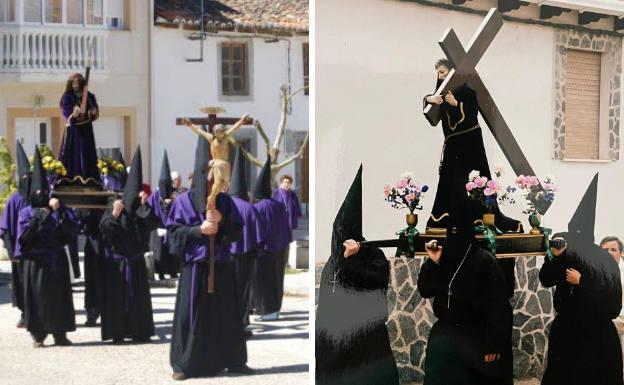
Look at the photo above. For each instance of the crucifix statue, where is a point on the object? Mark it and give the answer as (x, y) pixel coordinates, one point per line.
(219, 137)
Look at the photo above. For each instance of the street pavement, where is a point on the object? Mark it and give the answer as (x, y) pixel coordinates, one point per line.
(279, 350)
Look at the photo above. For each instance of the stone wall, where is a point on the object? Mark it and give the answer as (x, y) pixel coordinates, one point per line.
(411, 319)
(611, 49)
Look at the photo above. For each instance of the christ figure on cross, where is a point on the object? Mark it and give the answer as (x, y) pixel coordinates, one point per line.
(219, 142)
(463, 150)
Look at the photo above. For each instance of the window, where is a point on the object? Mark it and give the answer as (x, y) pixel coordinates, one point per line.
(582, 111)
(234, 77)
(74, 11)
(54, 11)
(95, 12)
(7, 11)
(306, 68)
(32, 11)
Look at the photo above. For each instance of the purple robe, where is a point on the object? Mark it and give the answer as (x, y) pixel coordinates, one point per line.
(278, 234)
(111, 183)
(8, 232)
(291, 201)
(78, 153)
(253, 228)
(48, 241)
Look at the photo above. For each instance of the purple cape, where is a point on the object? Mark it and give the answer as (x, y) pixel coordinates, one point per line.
(278, 233)
(182, 213)
(154, 201)
(10, 215)
(253, 228)
(291, 201)
(46, 234)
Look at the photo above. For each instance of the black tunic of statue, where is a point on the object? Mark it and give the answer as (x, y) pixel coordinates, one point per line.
(127, 306)
(478, 321)
(352, 343)
(48, 302)
(584, 347)
(463, 152)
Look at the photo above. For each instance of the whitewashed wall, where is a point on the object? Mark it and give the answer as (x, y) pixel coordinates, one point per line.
(181, 89)
(371, 74)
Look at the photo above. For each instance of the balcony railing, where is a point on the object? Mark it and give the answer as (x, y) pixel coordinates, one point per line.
(36, 49)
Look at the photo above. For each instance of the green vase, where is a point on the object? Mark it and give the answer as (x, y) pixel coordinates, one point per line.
(535, 220)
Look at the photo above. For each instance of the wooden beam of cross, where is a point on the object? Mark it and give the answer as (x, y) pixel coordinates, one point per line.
(465, 63)
(212, 120)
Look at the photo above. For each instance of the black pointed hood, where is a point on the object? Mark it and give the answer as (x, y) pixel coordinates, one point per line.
(348, 221)
(23, 171)
(262, 188)
(581, 226)
(39, 187)
(199, 184)
(165, 183)
(134, 183)
(238, 184)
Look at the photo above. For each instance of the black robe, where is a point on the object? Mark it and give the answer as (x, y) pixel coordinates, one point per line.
(127, 306)
(463, 152)
(208, 336)
(584, 347)
(165, 262)
(352, 343)
(93, 257)
(478, 322)
(8, 231)
(41, 239)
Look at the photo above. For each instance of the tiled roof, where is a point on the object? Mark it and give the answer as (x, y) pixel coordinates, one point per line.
(277, 15)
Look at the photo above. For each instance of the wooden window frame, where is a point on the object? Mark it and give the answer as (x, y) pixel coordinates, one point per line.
(306, 68)
(227, 80)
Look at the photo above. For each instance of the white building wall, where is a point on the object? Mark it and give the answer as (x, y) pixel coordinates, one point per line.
(371, 74)
(181, 89)
(124, 85)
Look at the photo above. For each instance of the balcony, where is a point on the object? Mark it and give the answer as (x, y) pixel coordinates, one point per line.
(35, 53)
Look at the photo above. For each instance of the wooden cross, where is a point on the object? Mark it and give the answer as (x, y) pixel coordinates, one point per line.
(465, 71)
(212, 120)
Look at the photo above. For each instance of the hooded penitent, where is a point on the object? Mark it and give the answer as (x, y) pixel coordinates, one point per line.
(165, 184)
(262, 188)
(352, 343)
(23, 171)
(39, 187)
(130, 197)
(199, 184)
(238, 184)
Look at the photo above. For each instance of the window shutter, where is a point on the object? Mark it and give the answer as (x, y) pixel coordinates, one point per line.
(582, 110)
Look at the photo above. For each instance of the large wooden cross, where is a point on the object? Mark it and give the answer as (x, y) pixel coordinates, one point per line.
(465, 71)
(212, 120)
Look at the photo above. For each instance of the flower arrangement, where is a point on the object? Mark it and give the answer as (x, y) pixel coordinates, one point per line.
(110, 167)
(489, 191)
(54, 168)
(406, 193)
(537, 199)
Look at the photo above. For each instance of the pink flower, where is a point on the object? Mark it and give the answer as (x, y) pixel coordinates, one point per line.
(533, 181)
(417, 188)
(387, 190)
(403, 183)
(488, 191)
(480, 182)
(520, 181)
(410, 197)
(470, 186)
(492, 184)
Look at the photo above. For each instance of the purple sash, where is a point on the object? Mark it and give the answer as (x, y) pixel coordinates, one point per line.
(51, 255)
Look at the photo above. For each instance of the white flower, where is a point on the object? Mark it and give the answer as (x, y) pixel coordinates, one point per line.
(407, 175)
(474, 174)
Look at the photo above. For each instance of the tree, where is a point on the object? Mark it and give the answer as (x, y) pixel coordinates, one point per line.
(274, 149)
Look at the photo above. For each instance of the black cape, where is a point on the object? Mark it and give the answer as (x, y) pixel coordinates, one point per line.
(352, 343)
(126, 301)
(584, 347)
(478, 322)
